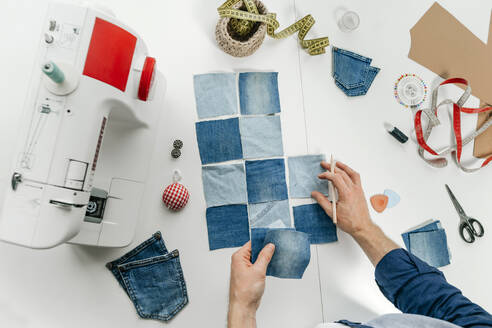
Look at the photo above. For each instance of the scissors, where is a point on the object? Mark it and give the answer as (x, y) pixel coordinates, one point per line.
(469, 227)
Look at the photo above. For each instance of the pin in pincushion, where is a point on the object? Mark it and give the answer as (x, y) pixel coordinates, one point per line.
(175, 196)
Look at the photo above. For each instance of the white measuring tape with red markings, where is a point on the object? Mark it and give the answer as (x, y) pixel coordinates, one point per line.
(431, 113)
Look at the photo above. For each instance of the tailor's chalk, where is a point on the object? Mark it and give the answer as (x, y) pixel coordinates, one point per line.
(396, 133)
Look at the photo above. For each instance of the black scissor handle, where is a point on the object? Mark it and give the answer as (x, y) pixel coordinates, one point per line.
(466, 232)
(477, 226)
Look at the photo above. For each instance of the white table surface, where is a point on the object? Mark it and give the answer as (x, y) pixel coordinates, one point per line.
(69, 286)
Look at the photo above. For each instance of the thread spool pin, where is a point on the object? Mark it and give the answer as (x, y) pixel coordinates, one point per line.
(53, 72)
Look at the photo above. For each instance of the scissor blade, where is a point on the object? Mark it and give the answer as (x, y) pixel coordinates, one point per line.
(455, 202)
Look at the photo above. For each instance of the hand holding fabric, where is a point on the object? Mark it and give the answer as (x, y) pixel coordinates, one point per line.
(352, 211)
(247, 285)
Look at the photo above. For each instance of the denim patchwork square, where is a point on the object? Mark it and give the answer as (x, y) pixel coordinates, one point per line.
(430, 246)
(224, 184)
(292, 251)
(258, 93)
(227, 226)
(261, 136)
(303, 176)
(313, 220)
(257, 240)
(265, 180)
(270, 215)
(215, 94)
(426, 226)
(219, 140)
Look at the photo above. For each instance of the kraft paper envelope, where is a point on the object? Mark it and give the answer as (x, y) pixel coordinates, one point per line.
(446, 47)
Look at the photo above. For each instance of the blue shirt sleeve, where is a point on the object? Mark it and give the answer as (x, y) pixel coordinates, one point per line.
(415, 287)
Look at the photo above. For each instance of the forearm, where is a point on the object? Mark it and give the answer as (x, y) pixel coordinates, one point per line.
(374, 243)
(415, 287)
(240, 317)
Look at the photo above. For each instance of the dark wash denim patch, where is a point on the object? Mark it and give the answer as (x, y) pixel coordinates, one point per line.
(152, 278)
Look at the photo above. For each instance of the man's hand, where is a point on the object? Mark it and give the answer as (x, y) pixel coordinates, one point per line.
(247, 285)
(353, 213)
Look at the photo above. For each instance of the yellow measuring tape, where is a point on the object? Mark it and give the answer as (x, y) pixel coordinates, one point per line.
(314, 46)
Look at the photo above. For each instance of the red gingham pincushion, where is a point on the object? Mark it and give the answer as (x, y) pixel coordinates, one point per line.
(175, 196)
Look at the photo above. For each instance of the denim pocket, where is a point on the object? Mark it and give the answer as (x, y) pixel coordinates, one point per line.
(352, 72)
(349, 69)
(156, 286)
(154, 246)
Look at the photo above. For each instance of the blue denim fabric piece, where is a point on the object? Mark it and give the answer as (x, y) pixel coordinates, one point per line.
(215, 94)
(258, 93)
(362, 90)
(258, 240)
(303, 176)
(266, 180)
(224, 184)
(352, 72)
(152, 278)
(292, 253)
(227, 226)
(413, 286)
(156, 286)
(154, 246)
(434, 225)
(219, 141)
(261, 136)
(430, 246)
(269, 215)
(349, 68)
(313, 220)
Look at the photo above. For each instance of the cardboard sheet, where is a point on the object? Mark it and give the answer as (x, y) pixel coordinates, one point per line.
(446, 47)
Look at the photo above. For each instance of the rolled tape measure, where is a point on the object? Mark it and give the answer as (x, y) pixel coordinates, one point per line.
(313, 46)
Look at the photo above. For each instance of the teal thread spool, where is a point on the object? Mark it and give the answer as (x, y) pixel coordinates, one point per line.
(53, 72)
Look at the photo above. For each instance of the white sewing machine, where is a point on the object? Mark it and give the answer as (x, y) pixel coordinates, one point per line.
(87, 134)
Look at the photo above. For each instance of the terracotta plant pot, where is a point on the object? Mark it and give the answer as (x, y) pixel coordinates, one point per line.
(240, 38)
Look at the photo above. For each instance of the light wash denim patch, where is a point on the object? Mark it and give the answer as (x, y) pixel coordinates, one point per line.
(227, 226)
(313, 220)
(152, 278)
(224, 184)
(292, 253)
(352, 72)
(430, 246)
(258, 93)
(269, 215)
(261, 136)
(215, 94)
(303, 176)
(265, 180)
(257, 240)
(434, 225)
(219, 140)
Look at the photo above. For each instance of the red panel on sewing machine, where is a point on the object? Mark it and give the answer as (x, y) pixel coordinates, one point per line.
(110, 54)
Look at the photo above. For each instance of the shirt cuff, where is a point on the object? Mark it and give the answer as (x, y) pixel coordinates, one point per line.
(396, 269)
